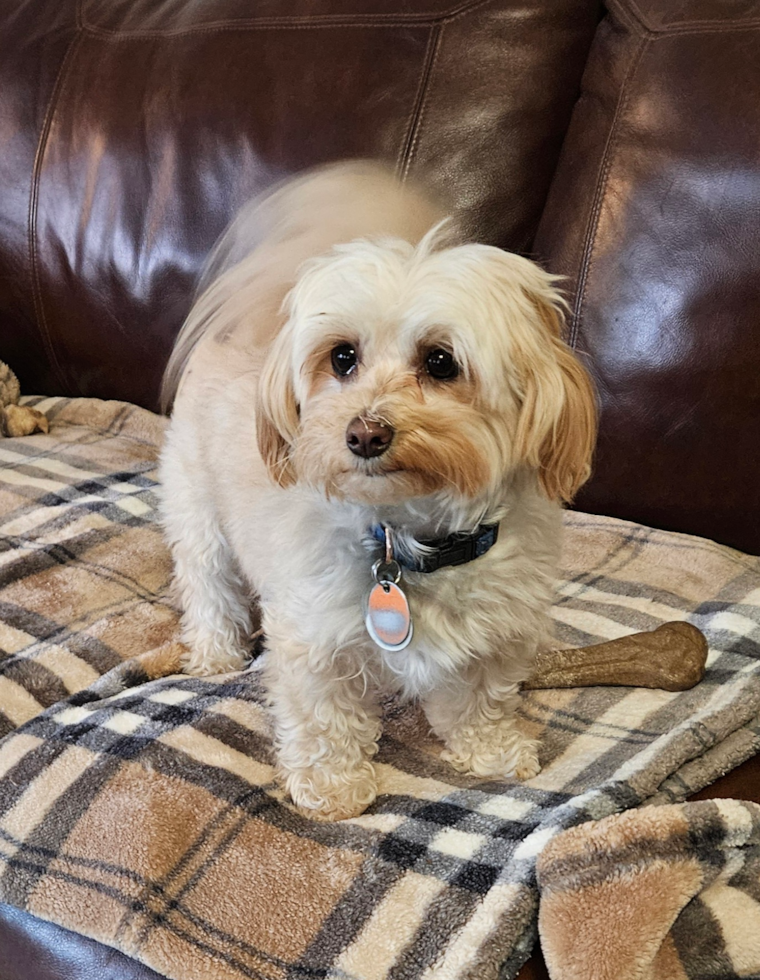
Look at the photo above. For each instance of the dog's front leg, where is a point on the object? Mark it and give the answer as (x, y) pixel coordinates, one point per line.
(475, 717)
(216, 616)
(326, 728)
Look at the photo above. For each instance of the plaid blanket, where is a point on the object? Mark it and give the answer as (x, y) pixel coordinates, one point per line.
(139, 807)
(684, 879)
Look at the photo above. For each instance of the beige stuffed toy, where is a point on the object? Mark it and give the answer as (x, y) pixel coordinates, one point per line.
(15, 419)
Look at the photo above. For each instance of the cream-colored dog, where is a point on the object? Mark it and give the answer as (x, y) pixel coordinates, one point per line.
(352, 388)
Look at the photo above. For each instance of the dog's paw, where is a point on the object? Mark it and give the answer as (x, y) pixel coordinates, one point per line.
(322, 795)
(528, 766)
(500, 751)
(204, 661)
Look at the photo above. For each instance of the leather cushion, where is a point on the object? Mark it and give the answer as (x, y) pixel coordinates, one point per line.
(32, 949)
(654, 216)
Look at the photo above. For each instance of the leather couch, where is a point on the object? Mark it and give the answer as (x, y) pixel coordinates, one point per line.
(620, 147)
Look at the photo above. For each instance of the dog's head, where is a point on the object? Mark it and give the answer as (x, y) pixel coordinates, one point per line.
(406, 370)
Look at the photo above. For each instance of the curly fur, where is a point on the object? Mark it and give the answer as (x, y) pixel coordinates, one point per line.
(262, 499)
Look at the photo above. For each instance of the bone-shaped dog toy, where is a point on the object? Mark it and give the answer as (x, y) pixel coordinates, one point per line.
(671, 657)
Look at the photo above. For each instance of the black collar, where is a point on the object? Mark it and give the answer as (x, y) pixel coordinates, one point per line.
(456, 549)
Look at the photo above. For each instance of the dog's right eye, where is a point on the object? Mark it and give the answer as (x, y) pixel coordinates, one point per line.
(344, 359)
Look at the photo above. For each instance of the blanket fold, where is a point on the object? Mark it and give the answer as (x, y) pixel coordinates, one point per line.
(658, 893)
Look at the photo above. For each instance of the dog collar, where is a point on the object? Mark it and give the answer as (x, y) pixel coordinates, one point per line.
(456, 549)
(388, 617)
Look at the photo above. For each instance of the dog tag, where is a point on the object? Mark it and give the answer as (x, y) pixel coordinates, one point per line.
(388, 620)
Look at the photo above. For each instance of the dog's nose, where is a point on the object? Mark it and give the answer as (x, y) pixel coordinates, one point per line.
(366, 437)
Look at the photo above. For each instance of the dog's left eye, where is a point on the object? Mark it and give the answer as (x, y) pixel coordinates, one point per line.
(440, 364)
(344, 359)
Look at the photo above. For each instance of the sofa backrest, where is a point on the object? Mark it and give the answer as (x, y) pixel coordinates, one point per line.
(654, 216)
(133, 129)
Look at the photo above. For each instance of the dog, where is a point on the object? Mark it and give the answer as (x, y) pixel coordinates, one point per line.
(375, 424)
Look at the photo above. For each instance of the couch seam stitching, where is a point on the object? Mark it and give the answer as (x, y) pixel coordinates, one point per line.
(34, 193)
(418, 112)
(464, 11)
(601, 186)
(631, 19)
(706, 29)
(372, 21)
(632, 13)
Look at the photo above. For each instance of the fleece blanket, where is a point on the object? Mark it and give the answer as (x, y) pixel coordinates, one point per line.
(659, 893)
(139, 807)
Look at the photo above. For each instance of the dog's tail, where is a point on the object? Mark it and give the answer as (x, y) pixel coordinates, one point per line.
(254, 265)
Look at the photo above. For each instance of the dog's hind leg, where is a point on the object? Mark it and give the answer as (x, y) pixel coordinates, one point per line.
(476, 720)
(216, 605)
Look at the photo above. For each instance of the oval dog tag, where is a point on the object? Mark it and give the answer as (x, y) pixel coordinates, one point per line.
(388, 620)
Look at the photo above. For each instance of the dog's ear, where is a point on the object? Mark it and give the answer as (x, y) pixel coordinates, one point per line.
(277, 415)
(556, 429)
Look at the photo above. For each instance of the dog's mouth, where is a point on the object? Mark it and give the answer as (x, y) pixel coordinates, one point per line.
(384, 466)
(392, 481)
(375, 473)
(382, 471)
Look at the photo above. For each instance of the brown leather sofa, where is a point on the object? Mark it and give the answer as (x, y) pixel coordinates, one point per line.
(620, 147)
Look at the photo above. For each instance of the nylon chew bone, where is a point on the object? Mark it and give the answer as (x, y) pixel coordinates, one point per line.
(671, 658)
